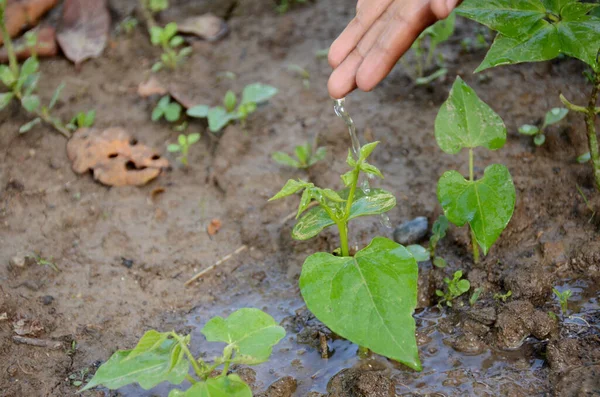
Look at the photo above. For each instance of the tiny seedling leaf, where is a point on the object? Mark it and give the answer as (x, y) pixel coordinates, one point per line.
(28, 126)
(584, 158)
(539, 139)
(6, 75)
(367, 149)
(291, 187)
(200, 111)
(173, 148)
(223, 386)
(370, 169)
(439, 262)
(5, 99)
(230, 101)
(284, 159)
(258, 93)
(218, 118)
(172, 112)
(303, 153)
(420, 253)
(193, 138)
(31, 103)
(528, 129)
(56, 95)
(556, 114)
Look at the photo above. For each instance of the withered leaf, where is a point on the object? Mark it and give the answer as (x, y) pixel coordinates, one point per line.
(213, 227)
(115, 158)
(151, 87)
(21, 14)
(208, 27)
(84, 29)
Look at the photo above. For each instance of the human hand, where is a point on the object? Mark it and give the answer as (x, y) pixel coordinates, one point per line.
(382, 31)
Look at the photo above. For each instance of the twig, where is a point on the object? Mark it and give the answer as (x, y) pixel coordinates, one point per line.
(219, 262)
(48, 344)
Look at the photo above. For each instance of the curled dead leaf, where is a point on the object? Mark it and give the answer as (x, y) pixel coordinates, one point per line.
(114, 157)
(25, 326)
(208, 27)
(151, 87)
(84, 29)
(213, 227)
(21, 14)
(45, 45)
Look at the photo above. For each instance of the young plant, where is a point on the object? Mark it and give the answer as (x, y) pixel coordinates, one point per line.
(128, 25)
(424, 54)
(82, 120)
(284, 5)
(533, 31)
(183, 146)
(503, 297)
(438, 232)
(302, 73)
(305, 157)
(171, 111)
(486, 204)
(249, 334)
(553, 116)
(22, 82)
(456, 287)
(368, 298)
(475, 296)
(563, 299)
(170, 42)
(219, 116)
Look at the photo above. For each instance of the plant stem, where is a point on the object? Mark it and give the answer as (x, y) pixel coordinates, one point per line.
(191, 379)
(590, 121)
(189, 355)
(473, 239)
(343, 224)
(147, 15)
(227, 359)
(343, 228)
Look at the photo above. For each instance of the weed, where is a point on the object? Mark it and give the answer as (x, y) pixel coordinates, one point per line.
(306, 157)
(503, 297)
(39, 260)
(438, 232)
(486, 204)
(183, 146)
(553, 116)
(475, 296)
(456, 287)
(168, 109)
(128, 25)
(587, 203)
(78, 377)
(302, 73)
(338, 289)
(170, 42)
(249, 334)
(284, 5)
(219, 116)
(82, 120)
(563, 299)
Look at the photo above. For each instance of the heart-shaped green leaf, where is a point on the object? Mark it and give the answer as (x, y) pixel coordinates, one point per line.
(486, 204)
(465, 121)
(376, 202)
(257, 93)
(252, 332)
(368, 299)
(224, 386)
(148, 369)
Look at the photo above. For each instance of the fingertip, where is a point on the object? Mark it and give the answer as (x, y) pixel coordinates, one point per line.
(333, 57)
(442, 8)
(338, 87)
(365, 82)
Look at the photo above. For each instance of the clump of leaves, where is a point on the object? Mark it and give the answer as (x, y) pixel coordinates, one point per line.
(563, 299)
(306, 157)
(424, 51)
(486, 204)
(220, 116)
(553, 116)
(22, 81)
(170, 42)
(455, 288)
(183, 146)
(249, 335)
(168, 109)
(503, 297)
(438, 232)
(339, 290)
(533, 31)
(82, 120)
(284, 5)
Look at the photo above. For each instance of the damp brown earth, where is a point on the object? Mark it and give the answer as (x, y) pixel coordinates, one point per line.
(124, 254)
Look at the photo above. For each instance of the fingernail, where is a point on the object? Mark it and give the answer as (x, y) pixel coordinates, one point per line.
(451, 4)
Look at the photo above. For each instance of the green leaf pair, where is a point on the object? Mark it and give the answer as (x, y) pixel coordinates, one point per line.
(305, 157)
(455, 288)
(168, 109)
(553, 116)
(183, 146)
(82, 120)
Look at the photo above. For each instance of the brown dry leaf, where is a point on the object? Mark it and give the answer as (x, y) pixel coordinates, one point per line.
(45, 46)
(25, 13)
(84, 29)
(26, 326)
(208, 27)
(151, 87)
(115, 158)
(213, 227)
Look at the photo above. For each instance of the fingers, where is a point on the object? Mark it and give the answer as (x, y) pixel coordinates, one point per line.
(442, 8)
(356, 29)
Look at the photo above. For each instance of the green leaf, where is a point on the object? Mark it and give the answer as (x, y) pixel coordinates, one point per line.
(155, 34)
(6, 75)
(218, 118)
(440, 227)
(169, 31)
(5, 99)
(439, 262)
(291, 187)
(486, 204)
(258, 93)
(176, 41)
(31, 103)
(230, 101)
(418, 252)
(173, 148)
(305, 200)
(528, 129)
(223, 386)
(90, 118)
(200, 111)
(367, 149)
(303, 153)
(28, 126)
(539, 140)
(350, 159)
(347, 178)
(31, 83)
(368, 299)
(173, 112)
(193, 138)
(555, 115)
(370, 169)
(465, 121)
(316, 219)
(158, 5)
(157, 113)
(251, 332)
(284, 159)
(584, 158)
(150, 341)
(56, 95)
(29, 67)
(148, 369)
(332, 195)
(319, 155)
(442, 30)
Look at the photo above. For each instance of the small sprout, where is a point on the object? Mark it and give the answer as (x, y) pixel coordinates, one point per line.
(563, 299)
(82, 120)
(322, 53)
(45, 262)
(456, 287)
(552, 117)
(183, 146)
(284, 5)
(128, 25)
(170, 41)
(438, 232)
(171, 111)
(302, 73)
(157, 5)
(226, 75)
(584, 158)
(305, 156)
(552, 315)
(475, 296)
(503, 297)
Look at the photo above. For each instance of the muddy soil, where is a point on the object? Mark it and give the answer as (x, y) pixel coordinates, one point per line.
(124, 254)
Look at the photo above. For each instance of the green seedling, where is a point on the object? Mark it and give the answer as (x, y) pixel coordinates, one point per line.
(552, 117)
(424, 51)
(285, 5)
(77, 378)
(306, 157)
(367, 298)
(456, 287)
(563, 299)
(301, 73)
(438, 232)
(486, 204)
(170, 42)
(22, 82)
(249, 335)
(536, 30)
(168, 109)
(40, 261)
(475, 296)
(183, 146)
(503, 297)
(128, 25)
(220, 116)
(82, 120)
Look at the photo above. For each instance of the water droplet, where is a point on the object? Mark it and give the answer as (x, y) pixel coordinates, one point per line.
(385, 221)
(338, 107)
(365, 187)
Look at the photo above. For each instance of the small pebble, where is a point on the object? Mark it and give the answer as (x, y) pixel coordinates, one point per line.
(128, 263)
(47, 300)
(411, 232)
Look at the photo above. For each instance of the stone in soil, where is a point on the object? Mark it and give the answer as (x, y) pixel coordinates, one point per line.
(352, 382)
(518, 320)
(283, 387)
(532, 282)
(411, 232)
